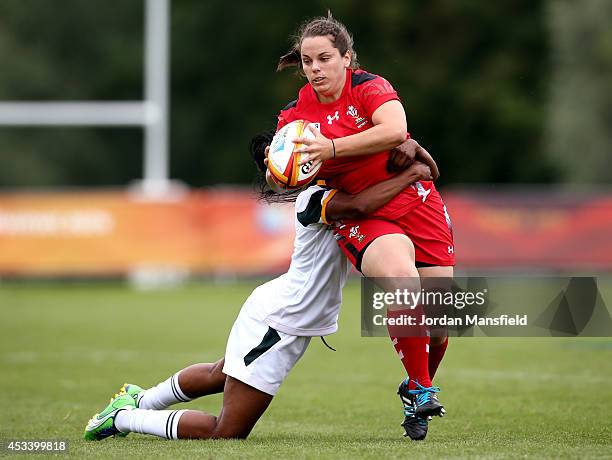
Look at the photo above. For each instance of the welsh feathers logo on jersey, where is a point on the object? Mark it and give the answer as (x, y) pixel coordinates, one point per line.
(359, 121)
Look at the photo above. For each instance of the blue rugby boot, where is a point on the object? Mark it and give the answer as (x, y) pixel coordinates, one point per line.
(426, 401)
(415, 427)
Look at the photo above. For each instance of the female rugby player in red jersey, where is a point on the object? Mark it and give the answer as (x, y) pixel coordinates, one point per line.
(361, 118)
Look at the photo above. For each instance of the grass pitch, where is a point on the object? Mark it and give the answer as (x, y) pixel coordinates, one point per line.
(65, 349)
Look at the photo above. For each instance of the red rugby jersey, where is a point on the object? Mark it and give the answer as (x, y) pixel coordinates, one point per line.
(352, 113)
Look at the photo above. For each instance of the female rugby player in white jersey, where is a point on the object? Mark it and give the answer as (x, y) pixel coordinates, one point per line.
(271, 333)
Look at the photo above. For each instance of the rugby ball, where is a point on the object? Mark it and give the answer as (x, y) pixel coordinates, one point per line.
(284, 161)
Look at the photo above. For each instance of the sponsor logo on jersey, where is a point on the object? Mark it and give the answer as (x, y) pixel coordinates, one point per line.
(451, 250)
(306, 167)
(359, 121)
(330, 118)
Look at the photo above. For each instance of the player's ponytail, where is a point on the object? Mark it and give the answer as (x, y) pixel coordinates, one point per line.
(291, 59)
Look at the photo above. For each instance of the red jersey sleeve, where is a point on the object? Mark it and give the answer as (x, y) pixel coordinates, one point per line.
(374, 93)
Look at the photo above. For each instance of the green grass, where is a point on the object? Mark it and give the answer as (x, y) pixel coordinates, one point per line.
(65, 349)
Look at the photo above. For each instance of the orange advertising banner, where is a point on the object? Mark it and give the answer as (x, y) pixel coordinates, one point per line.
(113, 233)
(227, 232)
(532, 229)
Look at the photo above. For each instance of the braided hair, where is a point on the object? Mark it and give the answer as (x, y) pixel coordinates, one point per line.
(257, 149)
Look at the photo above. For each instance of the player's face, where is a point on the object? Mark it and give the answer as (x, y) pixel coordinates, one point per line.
(324, 67)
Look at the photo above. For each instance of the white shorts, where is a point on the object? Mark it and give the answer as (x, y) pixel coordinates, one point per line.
(258, 355)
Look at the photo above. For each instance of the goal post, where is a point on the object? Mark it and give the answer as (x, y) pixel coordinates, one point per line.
(151, 113)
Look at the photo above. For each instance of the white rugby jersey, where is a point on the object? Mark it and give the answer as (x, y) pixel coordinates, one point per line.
(306, 300)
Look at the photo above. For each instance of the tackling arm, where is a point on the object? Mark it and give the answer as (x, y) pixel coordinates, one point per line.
(423, 156)
(406, 153)
(346, 206)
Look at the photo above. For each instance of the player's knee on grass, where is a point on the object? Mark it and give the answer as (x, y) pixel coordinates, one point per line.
(238, 425)
(232, 433)
(199, 425)
(243, 405)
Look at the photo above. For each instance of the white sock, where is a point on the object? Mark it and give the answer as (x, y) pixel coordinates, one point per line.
(162, 423)
(163, 395)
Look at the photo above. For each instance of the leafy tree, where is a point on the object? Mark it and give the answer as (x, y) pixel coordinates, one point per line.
(578, 132)
(473, 76)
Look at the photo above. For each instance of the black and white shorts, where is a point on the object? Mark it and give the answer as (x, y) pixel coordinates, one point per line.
(259, 355)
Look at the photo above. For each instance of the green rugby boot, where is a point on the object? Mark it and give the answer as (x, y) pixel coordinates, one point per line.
(102, 425)
(135, 392)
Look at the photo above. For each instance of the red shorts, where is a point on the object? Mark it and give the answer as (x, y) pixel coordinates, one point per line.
(428, 226)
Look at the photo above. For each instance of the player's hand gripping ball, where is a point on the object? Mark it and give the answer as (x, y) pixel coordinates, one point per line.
(284, 161)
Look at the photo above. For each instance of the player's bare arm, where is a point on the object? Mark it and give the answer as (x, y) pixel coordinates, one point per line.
(346, 206)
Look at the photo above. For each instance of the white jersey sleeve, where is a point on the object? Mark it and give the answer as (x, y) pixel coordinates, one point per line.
(311, 205)
(306, 300)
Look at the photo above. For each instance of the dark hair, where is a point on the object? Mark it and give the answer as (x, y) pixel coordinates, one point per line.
(319, 27)
(257, 149)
